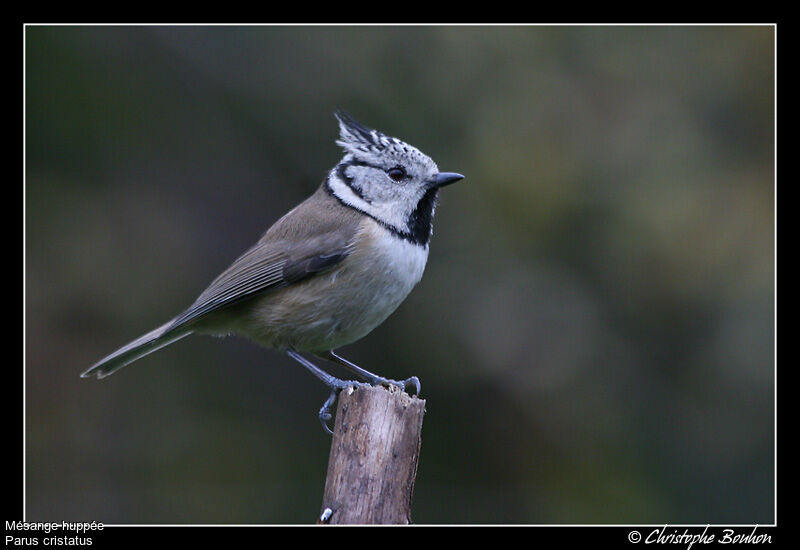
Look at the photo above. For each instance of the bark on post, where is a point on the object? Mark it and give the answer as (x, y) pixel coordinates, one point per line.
(374, 455)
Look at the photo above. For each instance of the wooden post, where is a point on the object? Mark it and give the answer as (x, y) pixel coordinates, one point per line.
(374, 455)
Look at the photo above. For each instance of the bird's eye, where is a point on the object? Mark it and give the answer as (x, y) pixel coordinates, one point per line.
(397, 173)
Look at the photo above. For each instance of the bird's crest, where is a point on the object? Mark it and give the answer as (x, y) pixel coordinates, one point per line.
(357, 139)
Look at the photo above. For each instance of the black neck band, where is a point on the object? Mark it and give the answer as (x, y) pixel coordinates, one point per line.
(420, 221)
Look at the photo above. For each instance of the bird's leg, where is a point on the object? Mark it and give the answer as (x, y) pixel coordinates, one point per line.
(373, 379)
(335, 384)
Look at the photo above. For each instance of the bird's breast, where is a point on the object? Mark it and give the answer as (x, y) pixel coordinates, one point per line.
(389, 265)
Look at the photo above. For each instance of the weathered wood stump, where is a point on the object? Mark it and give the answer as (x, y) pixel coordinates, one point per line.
(374, 456)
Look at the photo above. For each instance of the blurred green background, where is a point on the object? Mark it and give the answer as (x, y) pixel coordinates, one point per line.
(595, 329)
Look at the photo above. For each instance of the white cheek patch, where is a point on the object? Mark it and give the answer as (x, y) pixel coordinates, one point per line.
(390, 213)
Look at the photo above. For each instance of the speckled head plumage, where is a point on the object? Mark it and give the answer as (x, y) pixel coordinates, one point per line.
(373, 147)
(387, 179)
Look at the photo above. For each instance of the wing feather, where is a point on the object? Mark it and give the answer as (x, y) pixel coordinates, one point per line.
(288, 253)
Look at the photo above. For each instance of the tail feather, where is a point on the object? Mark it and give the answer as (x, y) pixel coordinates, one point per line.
(144, 345)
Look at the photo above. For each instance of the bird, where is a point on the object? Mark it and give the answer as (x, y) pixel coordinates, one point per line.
(326, 273)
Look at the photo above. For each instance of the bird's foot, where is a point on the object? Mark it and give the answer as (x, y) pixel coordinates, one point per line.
(402, 384)
(336, 385)
(370, 377)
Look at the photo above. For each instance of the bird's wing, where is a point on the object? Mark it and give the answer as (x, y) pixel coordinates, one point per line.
(312, 238)
(265, 267)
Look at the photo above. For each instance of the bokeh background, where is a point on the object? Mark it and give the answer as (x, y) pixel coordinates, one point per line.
(595, 329)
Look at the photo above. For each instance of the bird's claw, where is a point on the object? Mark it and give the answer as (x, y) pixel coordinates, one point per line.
(402, 384)
(413, 381)
(325, 411)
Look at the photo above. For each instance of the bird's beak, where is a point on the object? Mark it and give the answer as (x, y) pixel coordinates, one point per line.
(446, 178)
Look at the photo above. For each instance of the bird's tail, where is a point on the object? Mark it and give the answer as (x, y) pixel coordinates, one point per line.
(150, 342)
